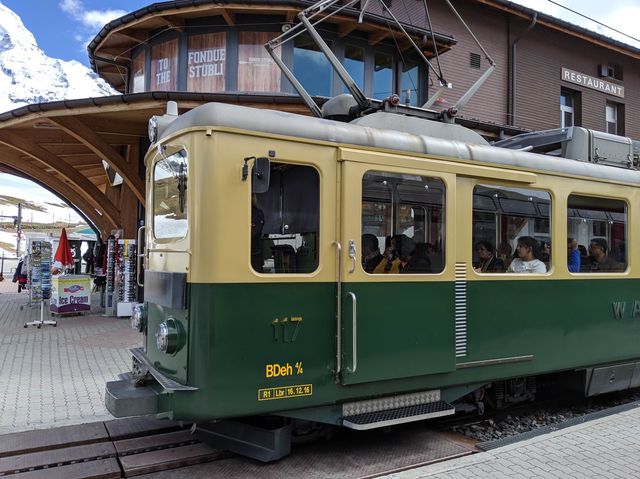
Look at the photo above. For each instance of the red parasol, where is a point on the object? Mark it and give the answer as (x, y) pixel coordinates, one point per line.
(63, 253)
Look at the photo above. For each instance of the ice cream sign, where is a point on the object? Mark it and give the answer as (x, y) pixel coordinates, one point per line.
(70, 293)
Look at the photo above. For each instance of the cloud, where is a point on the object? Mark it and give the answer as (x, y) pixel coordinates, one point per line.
(90, 19)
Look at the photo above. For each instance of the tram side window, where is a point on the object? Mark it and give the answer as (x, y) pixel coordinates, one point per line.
(402, 224)
(511, 230)
(285, 221)
(170, 196)
(597, 235)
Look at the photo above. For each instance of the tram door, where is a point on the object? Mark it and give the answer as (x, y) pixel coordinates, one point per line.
(397, 291)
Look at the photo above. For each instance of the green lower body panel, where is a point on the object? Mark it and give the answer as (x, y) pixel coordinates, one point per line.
(264, 348)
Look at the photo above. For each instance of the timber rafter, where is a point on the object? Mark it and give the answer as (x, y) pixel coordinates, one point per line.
(76, 181)
(104, 151)
(62, 189)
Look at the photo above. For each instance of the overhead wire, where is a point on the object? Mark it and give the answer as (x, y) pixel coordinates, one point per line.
(594, 20)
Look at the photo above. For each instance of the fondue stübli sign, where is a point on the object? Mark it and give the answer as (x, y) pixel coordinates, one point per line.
(206, 63)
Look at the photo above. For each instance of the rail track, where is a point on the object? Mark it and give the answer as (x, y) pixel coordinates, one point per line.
(151, 448)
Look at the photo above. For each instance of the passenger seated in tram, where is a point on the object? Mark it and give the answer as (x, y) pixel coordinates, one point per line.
(599, 260)
(504, 253)
(396, 255)
(487, 260)
(573, 256)
(371, 255)
(419, 263)
(528, 257)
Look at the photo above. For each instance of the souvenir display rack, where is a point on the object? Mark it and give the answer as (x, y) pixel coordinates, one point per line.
(39, 278)
(121, 288)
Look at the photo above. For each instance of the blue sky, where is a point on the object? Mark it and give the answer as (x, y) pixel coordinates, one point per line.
(63, 28)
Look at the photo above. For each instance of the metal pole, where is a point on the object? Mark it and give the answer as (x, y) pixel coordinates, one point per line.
(19, 229)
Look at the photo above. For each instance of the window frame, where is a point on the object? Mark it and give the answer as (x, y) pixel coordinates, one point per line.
(609, 219)
(318, 265)
(173, 149)
(396, 203)
(497, 212)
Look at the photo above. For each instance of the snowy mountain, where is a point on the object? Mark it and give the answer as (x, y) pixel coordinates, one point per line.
(27, 75)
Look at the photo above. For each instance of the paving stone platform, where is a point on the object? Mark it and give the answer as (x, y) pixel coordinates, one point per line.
(607, 447)
(55, 376)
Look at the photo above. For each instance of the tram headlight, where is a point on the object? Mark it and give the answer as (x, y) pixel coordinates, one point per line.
(138, 317)
(169, 336)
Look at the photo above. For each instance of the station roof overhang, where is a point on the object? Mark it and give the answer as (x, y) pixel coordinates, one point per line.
(62, 145)
(110, 52)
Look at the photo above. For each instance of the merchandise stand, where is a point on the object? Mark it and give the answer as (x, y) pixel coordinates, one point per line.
(39, 266)
(121, 286)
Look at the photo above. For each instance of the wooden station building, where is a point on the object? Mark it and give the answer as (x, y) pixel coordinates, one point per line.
(549, 74)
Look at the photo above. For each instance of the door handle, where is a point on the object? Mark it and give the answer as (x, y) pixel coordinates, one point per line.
(352, 255)
(354, 344)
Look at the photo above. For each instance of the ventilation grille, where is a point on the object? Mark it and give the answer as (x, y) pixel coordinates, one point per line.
(474, 60)
(461, 310)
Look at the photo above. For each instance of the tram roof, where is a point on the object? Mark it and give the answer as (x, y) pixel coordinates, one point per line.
(389, 131)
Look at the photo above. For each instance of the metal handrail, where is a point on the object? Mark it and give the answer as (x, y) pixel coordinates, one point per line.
(141, 254)
(339, 315)
(354, 344)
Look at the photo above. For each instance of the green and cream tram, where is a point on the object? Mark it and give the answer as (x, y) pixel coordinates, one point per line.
(259, 300)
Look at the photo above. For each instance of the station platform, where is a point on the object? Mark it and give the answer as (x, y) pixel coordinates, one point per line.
(605, 447)
(55, 376)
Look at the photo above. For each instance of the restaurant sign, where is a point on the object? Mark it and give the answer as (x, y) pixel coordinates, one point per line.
(592, 82)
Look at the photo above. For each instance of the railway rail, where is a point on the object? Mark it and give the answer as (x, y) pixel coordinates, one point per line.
(144, 447)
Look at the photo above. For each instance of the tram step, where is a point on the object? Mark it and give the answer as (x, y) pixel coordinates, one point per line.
(390, 417)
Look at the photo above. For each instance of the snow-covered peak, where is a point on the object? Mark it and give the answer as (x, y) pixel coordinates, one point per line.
(27, 75)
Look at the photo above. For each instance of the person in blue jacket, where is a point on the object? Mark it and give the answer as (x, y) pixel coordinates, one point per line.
(573, 258)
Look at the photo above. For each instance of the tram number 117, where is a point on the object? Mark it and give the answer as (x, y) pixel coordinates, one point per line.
(286, 330)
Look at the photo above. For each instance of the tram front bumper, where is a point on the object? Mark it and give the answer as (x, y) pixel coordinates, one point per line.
(123, 399)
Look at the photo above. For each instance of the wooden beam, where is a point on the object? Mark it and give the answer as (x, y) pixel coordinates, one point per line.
(377, 37)
(228, 16)
(291, 15)
(175, 23)
(104, 151)
(84, 187)
(346, 28)
(62, 189)
(138, 36)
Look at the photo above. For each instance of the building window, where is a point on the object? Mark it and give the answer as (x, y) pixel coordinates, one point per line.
(614, 114)
(382, 75)
(285, 221)
(598, 227)
(311, 67)
(570, 108)
(410, 83)
(256, 69)
(206, 62)
(508, 221)
(137, 74)
(164, 66)
(612, 71)
(402, 224)
(354, 64)
(474, 60)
